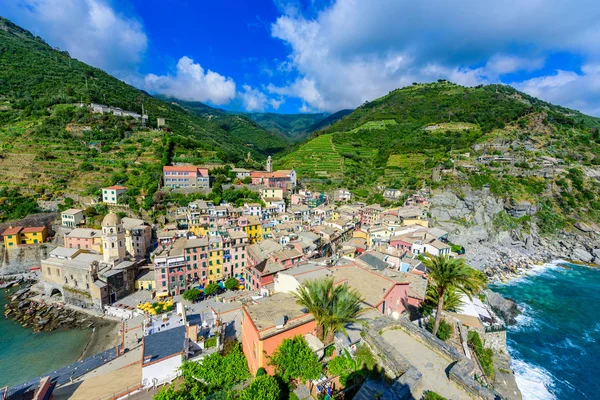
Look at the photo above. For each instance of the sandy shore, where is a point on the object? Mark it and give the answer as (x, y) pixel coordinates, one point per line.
(105, 336)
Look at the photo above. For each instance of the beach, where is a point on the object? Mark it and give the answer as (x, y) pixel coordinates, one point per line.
(105, 336)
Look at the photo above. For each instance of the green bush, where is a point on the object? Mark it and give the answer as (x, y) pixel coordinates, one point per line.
(444, 331)
(192, 294)
(483, 355)
(429, 395)
(261, 371)
(211, 342)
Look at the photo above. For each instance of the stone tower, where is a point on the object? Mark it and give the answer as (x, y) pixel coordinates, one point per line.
(269, 164)
(113, 239)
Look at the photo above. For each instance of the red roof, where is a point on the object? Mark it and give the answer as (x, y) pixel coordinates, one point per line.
(116, 187)
(12, 231)
(258, 174)
(180, 168)
(33, 229)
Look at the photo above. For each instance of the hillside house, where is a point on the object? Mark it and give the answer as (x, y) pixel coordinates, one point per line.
(110, 195)
(20, 236)
(186, 176)
(72, 218)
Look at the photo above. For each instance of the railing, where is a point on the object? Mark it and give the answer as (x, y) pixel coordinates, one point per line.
(495, 328)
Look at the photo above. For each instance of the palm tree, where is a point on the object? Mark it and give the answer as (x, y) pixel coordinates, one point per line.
(452, 299)
(452, 274)
(332, 306)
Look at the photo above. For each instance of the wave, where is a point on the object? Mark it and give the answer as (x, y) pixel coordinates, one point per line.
(535, 383)
(526, 273)
(527, 320)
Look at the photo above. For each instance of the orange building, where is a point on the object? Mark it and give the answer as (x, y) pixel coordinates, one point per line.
(267, 323)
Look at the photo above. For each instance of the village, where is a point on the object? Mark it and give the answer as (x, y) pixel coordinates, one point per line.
(215, 273)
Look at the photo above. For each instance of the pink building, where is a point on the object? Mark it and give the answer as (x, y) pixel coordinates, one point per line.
(83, 238)
(186, 176)
(196, 256)
(283, 179)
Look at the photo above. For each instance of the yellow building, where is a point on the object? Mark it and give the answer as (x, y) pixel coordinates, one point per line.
(335, 214)
(253, 229)
(200, 230)
(145, 280)
(215, 262)
(17, 236)
(416, 221)
(360, 234)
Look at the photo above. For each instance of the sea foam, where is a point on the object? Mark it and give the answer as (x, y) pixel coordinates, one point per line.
(534, 382)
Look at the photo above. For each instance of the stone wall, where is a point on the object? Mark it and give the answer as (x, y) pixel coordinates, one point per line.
(462, 370)
(496, 341)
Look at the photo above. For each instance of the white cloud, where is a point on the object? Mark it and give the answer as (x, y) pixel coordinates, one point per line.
(253, 99)
(90, 30)
(505, 64)
(567, 88)
(192, 82)
(356, 50)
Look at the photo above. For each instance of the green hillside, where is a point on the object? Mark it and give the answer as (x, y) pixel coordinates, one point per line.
(50, 144)
(400, 139)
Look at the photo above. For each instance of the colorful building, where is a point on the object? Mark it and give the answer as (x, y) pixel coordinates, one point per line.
(84, 238)
(18, 236)
(186, 176)
(267, 323)
(253, 228)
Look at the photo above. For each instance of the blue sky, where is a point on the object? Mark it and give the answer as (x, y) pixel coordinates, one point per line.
(310, 55)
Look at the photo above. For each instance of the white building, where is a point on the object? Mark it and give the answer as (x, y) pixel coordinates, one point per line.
(72, 218)
(110, 195)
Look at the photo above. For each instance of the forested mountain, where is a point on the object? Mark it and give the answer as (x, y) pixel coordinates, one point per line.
(442, 134)
(293, 127)
(329, 120)
(296, 127)
(50, 143)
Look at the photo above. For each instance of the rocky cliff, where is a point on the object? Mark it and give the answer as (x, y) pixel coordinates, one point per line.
(499, 237)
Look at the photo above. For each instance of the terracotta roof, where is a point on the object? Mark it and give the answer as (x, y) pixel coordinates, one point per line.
(33, 229)
(12, 230)
(182, 168)
(116, 187)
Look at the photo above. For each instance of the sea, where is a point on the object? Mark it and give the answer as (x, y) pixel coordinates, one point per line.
(555, 346)
(26, 355)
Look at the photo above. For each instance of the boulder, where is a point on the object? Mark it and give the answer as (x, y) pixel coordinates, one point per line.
(505, 308)
(581, 254)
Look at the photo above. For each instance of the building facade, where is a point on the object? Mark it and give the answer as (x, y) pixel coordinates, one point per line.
(186, 177)
(110, 195)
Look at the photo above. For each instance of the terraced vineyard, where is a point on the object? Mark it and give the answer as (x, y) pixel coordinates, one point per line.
(31, 162)
(317, 157)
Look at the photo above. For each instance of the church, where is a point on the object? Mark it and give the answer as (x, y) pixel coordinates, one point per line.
(88, 279)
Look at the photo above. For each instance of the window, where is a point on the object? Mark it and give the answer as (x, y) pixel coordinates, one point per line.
(49, 271)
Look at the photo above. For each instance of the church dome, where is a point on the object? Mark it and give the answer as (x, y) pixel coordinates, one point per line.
(111, 219)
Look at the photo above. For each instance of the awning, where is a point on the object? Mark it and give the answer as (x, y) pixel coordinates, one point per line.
(35, 268)
(162, 294)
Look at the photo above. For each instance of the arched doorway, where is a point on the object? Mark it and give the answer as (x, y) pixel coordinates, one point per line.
(56, 293)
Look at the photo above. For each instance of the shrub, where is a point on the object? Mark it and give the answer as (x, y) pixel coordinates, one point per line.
(483, 355)
(261, 371)
(444, 331)
(429, 395)
(264, 387)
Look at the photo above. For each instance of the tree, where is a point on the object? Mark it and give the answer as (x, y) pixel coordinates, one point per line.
(452, 300)
(211, 289)
(264, 387)
(452, 273)
(344, 366)
(294, 359)
(192, 294)
(332, 306)
(232, 284)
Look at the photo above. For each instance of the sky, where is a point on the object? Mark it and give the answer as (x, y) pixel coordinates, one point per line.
(324, 56)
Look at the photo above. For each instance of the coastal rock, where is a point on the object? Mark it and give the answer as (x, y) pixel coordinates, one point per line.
(581, 254)
(505, 308)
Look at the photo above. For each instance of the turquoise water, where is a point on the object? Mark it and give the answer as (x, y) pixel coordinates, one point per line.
(25, 355)
(556, 344)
